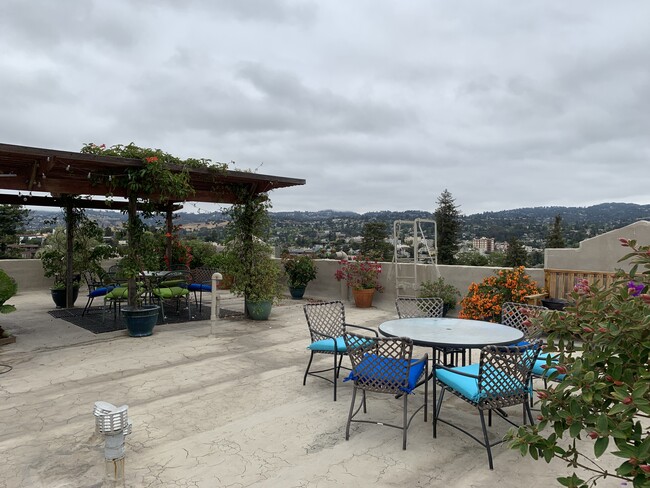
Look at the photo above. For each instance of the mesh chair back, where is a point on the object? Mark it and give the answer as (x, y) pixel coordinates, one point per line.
(325, 319)
(380, 364)
(517, 315)
(203, 274)
(411, 307)
(504, 374)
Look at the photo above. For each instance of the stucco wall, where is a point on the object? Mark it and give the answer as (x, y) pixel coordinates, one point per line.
(600, 253)
(326, 286)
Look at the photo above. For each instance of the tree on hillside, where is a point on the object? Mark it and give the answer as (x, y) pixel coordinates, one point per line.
(555, 238)
(374, 244)
(12, 220)
(516, 255)
(448, 227)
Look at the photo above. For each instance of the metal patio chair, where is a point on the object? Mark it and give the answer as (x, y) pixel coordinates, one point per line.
(502, 378)
(326, 323)
(96, 288)
(417, 307)
(172, 286)
(385, 365)
(201, 282)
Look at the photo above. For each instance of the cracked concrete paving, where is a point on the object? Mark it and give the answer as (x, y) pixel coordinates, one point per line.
(222, 410)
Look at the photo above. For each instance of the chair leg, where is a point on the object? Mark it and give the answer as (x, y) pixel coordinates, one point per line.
(485, 436)
(405, 422)
(88, 304)
(365, 409)
(311, 358)
(338, 369)
(530, 414)
(426, 390)
(354, 398)
(336, 375)
(490, 417)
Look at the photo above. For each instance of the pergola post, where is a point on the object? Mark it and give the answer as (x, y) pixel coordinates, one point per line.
(69, 232)
(169, 215)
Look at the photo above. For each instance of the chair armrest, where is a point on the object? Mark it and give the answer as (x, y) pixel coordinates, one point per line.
(453, 370)
(424, 359)
(361, 327)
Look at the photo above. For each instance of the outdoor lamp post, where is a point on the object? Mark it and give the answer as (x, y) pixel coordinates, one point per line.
(113, 422)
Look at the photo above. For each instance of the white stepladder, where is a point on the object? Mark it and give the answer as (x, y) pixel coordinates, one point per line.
(414, 243)
(113, 422)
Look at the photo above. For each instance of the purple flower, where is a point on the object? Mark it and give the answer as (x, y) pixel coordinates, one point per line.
(634, 288)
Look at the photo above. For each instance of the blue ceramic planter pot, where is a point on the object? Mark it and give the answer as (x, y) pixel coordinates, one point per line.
(141, 320)
(297, 293)
(259, 310)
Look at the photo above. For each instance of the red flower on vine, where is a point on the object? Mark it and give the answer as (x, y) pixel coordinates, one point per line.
(151, 159)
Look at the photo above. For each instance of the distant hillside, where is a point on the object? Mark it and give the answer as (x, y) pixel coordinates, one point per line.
(531, 225)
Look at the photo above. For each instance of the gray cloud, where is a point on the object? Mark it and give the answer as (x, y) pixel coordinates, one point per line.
(379, 106)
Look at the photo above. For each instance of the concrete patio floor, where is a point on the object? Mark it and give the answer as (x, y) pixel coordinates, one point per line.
(219, 410)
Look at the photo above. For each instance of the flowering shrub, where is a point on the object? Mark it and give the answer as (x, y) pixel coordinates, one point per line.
(360, 274)
(602, 345)
(484, 300)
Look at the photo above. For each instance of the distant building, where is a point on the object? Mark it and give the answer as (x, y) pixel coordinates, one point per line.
(484, 244)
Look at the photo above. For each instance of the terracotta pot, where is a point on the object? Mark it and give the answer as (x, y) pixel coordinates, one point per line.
(363, 298)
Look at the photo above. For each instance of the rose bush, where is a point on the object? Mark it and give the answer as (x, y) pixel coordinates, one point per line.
(360, 274)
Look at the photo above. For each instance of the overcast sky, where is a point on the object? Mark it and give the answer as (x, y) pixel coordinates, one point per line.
(379, 105)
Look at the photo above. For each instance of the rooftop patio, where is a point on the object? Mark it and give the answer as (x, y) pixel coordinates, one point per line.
(222, 406)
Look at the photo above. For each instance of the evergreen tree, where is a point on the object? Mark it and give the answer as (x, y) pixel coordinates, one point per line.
(555, 238)
(12, 220)
(448, 228)
(516, 255)
(374, 245)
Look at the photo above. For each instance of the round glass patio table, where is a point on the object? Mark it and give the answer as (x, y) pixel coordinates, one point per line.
(447, 332)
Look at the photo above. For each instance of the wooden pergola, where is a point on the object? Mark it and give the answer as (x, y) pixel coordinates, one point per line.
(58, 176)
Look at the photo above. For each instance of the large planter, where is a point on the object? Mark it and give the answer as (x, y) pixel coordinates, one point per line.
(141, 320)
(259, 310)
(363, 298)
(60, 296)
(297, 292)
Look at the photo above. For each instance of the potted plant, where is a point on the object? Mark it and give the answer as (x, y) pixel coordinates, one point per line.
(248, 259)
(441, 289)
(8, 289)
(88, 253)
(157, 182)
(484, 300)
(362, 275)
(299, 270)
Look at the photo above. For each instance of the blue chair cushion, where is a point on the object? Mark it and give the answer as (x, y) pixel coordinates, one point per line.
(540, 368)
(327, 345)
(100, 292)
(392, 371)
(469, 388)
(199, 287)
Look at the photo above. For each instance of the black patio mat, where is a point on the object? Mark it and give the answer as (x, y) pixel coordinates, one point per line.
(95, 323)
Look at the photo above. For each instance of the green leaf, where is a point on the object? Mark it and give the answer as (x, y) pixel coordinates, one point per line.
(602, 424)
(600, 446)
(574, 430)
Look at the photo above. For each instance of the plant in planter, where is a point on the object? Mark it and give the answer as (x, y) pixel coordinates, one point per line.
(362, 275)
(484, 300)
(161, 179)
(299, 270)
(8, 289)
(88, 253)
(248, 259)
(441, 289)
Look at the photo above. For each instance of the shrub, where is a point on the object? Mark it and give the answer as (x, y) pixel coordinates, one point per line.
(484, 300)
(441, 289)
(603, 348)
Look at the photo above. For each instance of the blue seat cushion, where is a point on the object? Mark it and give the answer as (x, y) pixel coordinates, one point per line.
(199, 287)
(328, 345)
(469, 387)
(540, 368)
(100, 292)
(391, 371)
